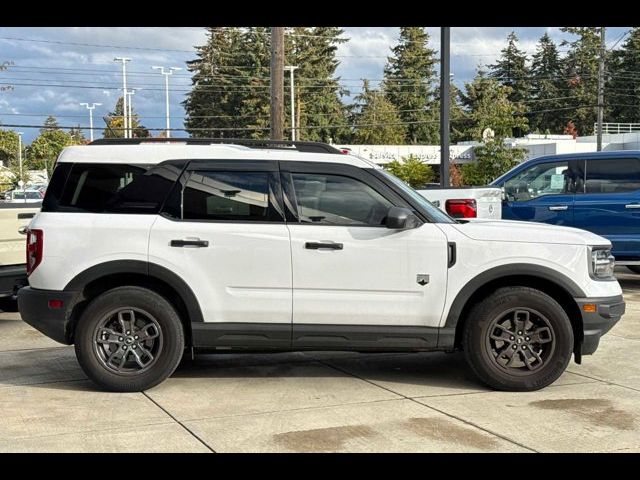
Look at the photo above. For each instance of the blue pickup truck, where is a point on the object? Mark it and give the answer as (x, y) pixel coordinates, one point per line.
(597, 191)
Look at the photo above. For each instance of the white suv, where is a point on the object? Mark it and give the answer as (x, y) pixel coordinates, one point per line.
(143, 249)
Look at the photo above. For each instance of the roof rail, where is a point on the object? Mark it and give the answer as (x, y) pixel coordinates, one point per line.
(314, 147)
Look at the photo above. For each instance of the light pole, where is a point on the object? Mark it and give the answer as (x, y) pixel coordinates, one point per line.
(124, 61)
(129, 94)
(166, 73)
(90, 108)
(21, 180)
(293, 125)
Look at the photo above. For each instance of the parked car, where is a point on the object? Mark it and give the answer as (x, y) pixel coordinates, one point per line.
(24, 196)
(13, 272)
(596, 191)
(144, 248)
(466, 202)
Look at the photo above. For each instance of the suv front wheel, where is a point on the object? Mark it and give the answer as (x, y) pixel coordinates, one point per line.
(129, 339)
(518, 339)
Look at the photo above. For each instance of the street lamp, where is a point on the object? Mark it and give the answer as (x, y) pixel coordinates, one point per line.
(124, 60)
(130, 114)
(293, 125)
(166, 73)
(90, 108)
(21, 180)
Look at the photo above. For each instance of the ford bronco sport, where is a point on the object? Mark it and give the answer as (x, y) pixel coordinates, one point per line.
(146, 248)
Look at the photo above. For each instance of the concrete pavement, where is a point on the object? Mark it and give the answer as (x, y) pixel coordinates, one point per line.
(320, 402)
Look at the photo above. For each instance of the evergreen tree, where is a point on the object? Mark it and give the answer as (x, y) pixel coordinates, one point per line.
(214, 105)
(376, 119)
(511, 71)
(581, 74)
(255, 98)
(623, 88)
(457, 116)
(549, 88)
(320, 114)
(410, 85)
(488, 106)
(76, 135)
(115, 125)
(8, 147)
(46, 147)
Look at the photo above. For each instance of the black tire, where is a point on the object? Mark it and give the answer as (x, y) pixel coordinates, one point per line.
(488, 358)
(168, 345)
(634, 268)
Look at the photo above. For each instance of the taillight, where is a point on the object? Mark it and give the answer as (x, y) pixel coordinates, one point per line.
(462, 208)
(35, 239)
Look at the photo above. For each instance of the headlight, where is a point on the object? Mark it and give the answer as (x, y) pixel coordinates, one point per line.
(602, 264)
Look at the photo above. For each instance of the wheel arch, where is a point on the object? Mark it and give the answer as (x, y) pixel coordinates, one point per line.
(102, 277)
(556, 285)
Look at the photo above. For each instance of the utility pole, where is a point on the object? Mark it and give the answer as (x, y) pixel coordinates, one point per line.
(130, 93)
(277, 82)
(21, 181)
(293, 124)
(125, 124)
(166, 73)
(90, 108)
(445, 82)
(601, 87)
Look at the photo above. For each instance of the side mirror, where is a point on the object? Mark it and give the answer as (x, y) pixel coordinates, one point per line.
(401, 218)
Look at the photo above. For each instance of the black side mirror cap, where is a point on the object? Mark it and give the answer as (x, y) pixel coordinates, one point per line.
(401, 218)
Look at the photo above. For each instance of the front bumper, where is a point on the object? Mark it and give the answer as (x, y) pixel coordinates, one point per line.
(35, 309)
(608, 310)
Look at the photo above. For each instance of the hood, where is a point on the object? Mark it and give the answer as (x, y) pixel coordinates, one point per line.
(529, 232)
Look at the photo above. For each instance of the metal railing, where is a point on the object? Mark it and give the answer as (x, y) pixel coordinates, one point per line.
(611, 127)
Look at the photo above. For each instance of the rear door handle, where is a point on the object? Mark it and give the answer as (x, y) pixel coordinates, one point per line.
(558, 208)
(323, 246)
(196, 242)
(632, 205)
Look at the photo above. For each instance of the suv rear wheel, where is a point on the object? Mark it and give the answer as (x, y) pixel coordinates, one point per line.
(518, 339)
(129, 339)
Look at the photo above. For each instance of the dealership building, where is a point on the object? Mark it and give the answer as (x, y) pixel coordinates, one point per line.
(463, 152)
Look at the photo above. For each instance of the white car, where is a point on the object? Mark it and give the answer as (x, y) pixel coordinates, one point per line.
(146, 248)
(24, 196)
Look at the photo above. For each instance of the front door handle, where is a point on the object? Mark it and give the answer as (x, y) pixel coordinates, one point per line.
(558, 208)
(632, 205)
(322, 246)
(195, 242)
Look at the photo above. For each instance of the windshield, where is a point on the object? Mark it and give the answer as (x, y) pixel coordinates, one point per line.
(434, 212)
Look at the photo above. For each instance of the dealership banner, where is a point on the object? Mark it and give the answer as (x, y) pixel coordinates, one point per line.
(427, 153)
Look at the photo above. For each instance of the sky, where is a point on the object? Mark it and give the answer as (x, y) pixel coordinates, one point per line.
(56, 69)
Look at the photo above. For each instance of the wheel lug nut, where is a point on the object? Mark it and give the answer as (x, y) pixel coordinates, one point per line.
(515, 347)
(128, 332)
(136, 337)
(519, 333)
(527, 338)
(524, 347)
(133, 347)
(512, 337)
(124, 348)
(120, 338)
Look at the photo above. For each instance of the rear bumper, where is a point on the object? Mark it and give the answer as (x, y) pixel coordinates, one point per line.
(608, 310)
(53, 322)
(12, 278)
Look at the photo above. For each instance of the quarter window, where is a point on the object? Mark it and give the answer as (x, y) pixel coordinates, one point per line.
(110, 188)
(338, 200)
(613, 175)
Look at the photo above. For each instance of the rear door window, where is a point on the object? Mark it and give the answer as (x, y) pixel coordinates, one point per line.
(612, 175)
(111, 188)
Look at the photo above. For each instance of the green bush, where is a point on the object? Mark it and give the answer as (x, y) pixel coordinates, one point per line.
(412, 170)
